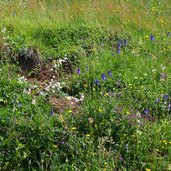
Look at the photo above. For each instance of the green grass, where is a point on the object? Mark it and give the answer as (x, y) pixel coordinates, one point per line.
(108, 57)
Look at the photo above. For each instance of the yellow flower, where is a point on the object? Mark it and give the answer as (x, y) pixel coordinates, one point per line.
(162, 22)
(100, 110)
(87, 135)
(157, 150)
(106, 94)
(147, 169)
(70, 111)
(55, 146)
(73, 128)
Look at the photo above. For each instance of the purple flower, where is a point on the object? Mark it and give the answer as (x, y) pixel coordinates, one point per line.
(52, 112)
(78, 71)
(62, 142)
(119, 43)
(165, 97)
(96, 82)
(168, 34)
(19, 104)
(103, 77)
(125, 42)
(146, 111)
(118, 50)
(121, 158)
(109, 73)
(152, 37)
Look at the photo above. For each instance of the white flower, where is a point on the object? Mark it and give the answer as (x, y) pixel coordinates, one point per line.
(4, 30)
(163, 67)
(42, 93)
(27, 91)
(33, 102)
(47, 88)
(58, 85)
(82, 97)
(22, 79)
(153, 70)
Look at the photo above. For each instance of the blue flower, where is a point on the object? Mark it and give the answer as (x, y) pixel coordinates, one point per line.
(168, 34)
(78, 71)
(119, 43)
(125, 42)
(146, 111)
(103, 77)
(52, 112)
(96, 82)
(109, 73)
(152, 37)
(118, 51)
(87, 68)
(19, 104)
(166, 97)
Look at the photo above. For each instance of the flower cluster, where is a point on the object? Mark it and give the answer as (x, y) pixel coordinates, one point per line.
(53, 85)
(22, 80)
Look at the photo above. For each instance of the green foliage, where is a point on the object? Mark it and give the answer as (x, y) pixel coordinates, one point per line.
(112, 61)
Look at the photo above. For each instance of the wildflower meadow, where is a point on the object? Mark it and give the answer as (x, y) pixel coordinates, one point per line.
(85, 85)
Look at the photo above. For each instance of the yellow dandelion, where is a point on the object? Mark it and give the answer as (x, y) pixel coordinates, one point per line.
(164, 141)
(100, 110)
(73, 128)
(70, 111)
(148, 169)
(87, 135)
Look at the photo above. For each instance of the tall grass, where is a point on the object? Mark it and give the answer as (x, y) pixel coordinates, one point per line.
(115, 54)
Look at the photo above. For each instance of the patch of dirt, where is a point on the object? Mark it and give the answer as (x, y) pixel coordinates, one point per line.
(29, 59)
(64, 104)
(43, 74)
